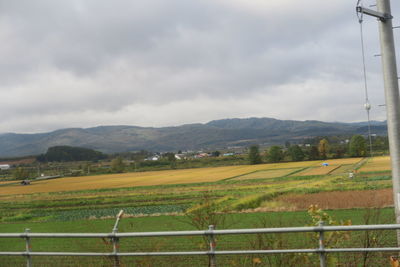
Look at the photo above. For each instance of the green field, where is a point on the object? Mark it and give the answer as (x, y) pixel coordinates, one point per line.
(233, 189)
(266, 195)
(176, 223)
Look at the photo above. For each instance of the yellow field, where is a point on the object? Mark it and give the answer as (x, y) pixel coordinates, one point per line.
(343, 161)
(133, 179)
(343, 169)
(318, 170)
(336, 162)
(7, 182)
(172, 177)
(335, 166)
(290, 165)
(377, 164)
(267, 174)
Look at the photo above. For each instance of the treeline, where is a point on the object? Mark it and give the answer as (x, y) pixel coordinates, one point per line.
(320, 148)
(69, 153)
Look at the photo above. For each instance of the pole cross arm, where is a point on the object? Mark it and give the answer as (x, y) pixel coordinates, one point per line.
(373, 13)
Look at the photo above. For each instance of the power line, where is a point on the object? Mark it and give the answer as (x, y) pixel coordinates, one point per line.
(367, 104)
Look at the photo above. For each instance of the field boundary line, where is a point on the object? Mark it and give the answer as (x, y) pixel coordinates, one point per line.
(296, 171)
(340, 165)
(361, 163)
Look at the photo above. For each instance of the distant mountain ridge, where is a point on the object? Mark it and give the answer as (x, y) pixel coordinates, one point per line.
(212, 135)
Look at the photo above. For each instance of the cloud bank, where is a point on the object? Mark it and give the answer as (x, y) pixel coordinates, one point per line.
(160, 63)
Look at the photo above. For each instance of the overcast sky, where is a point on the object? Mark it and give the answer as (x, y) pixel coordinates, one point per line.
(84, 63)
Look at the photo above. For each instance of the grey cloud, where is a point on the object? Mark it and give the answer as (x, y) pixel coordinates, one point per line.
(81, 57)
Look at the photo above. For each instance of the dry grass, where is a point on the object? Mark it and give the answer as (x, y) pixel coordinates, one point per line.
(8, 182)
(335, 167)
(339, 199)
(267, 174)
(171, 177)
(343, 161)
(377, 164)
(343, 169)
(133, 179)
(323, 170)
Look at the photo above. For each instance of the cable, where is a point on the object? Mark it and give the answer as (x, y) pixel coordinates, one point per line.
(367, 105)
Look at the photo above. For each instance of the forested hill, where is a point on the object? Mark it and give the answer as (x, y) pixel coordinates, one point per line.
(215, 134)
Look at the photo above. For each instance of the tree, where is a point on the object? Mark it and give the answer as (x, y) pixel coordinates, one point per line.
(117, 165)
(295, 152)
(275, 154)
(20, 173)
(171, 159)
(313, 153)
(216, 153)
(170, 156)
(358, 146)
(323, 148)
(69, 153)
(287, 144)
(380, 143)
(339, 152)
(254, 155)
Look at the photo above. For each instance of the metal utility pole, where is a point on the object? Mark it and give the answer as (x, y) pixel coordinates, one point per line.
(388, 53)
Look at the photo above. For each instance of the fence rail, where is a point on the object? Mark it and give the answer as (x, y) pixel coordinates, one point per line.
(210, 234)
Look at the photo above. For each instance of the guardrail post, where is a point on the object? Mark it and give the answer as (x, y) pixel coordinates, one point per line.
(115, 239)
(211, 238)
(28, 248)
(322, 256)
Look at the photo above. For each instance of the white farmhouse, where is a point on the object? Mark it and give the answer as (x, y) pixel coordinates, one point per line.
(4, 166)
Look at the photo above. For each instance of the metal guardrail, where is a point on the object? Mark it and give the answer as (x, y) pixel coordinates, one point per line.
(210, 234)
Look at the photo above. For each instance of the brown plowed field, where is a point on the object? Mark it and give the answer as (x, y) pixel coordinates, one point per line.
(340, 199)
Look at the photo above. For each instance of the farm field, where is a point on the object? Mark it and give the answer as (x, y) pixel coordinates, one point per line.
(178, 223)
(168, 177)
(8, 182)
(199, 175)
(338, 199)
(273, 173)
(279, 192)
(337, 166)
(234, 188)
(376, 164)
(322, 170)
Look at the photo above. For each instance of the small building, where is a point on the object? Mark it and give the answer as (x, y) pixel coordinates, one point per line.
(4, 167)
(201, 155)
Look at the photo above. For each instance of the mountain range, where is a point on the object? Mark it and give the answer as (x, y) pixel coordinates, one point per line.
(217, 134)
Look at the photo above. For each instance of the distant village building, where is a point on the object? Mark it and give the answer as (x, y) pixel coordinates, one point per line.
(4, 166)
(202, 155)
(152, 158)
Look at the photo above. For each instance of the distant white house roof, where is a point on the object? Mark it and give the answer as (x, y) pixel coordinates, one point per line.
(4, 166)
